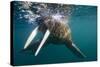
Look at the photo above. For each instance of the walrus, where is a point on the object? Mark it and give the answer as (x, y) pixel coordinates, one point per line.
(57, 30)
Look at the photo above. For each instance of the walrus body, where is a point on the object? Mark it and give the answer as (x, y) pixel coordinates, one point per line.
(59, 31)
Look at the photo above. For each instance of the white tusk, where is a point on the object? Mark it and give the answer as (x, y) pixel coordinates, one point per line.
(31, 37)
(43, 41)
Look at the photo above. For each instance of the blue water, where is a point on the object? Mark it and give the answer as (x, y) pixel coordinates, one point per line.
(83, 25)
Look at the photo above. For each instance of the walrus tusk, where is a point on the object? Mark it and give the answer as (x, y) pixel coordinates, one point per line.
(42, 42)
(31, 37)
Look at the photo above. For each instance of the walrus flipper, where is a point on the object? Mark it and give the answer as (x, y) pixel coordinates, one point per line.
(75, 50)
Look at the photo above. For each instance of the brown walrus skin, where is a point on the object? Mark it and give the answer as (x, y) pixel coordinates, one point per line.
(60, 31)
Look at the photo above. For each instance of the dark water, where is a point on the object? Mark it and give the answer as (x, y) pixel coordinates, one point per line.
(83, 24)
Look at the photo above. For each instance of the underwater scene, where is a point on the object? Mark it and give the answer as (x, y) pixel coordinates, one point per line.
(46, 33)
